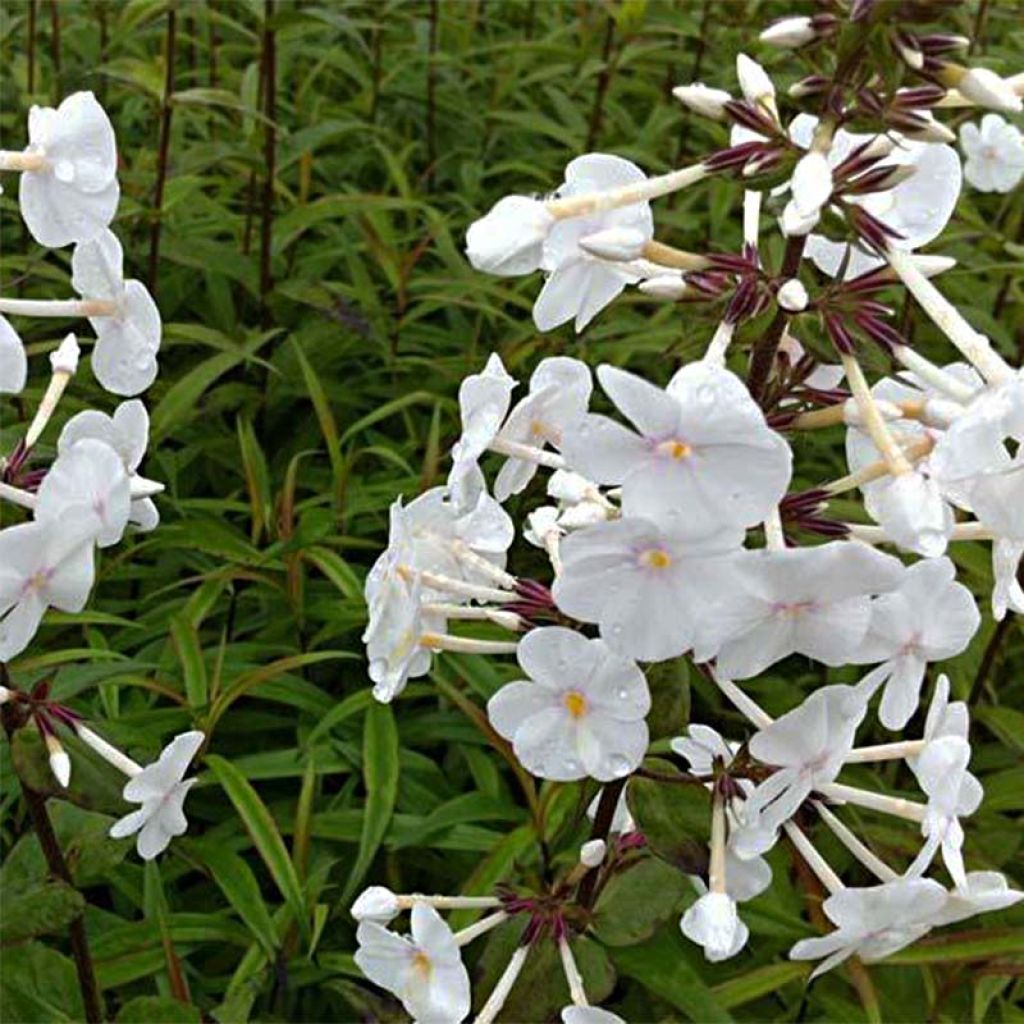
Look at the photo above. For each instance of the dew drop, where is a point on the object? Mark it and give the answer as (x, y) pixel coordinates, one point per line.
(64, 170)
(619, 765)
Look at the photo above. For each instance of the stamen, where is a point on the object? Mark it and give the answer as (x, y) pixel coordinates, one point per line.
(575, 703)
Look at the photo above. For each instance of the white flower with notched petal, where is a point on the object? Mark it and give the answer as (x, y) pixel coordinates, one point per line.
(807, 745)
(929, 618)
(645, 586)
(73, 193)
(580, 285)
(712, 922)
(127, 432)
(127, 340)
(981, 892)
(582, 714)
(995, 154)
(873, 922)
(509, 240)
(89, 477)
(13, 363)
(42, 565)
(559, 392)
(161, 788)
(703, 458)
(424, 970)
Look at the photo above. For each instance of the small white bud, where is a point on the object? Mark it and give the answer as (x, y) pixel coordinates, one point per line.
(593, 853)
(792, 296)
(64, 359)
(565, 485)
(794, 223)
(754, 81)
(987, 89)
(911, 57)
(540, 524)
(508, 240)
(931, 131)
(811, 183)
(879, 147)
(376, 903)
(617, 244)
(142, 487)
(586, 513)
(789, 33)
(932, 266)
(703, 100)
(60, 763)
(670, 287)
(5, 695)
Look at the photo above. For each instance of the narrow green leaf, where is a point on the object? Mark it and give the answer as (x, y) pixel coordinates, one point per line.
(238, 883)
(185, 637)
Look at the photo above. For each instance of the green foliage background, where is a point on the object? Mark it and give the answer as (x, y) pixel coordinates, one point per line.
(287, 418)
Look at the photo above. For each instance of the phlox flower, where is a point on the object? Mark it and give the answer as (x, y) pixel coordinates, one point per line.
(814, 601)
(509, 240)
(995, 154)
(702, 456)
(74, 194)
(161, 788)
(873, 922)
(582, 712)
(42, 565)
(645, 586)
(424, 969)
(979, 893)
(13, 363)
(580, 285)
(127, 433)
(87, 479)
(124, 359)
(713, 922)
(929, 618)
(1007, 593)
(559, 392)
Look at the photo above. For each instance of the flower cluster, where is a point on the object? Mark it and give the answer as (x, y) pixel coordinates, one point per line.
(673, 528)
(91, 491)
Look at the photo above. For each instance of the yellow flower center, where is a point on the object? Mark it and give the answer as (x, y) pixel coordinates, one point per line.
(675, 449)
(421, 963)
(656, 558)
(575, 703)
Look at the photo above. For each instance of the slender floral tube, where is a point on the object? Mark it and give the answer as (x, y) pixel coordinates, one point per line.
(573, 977)
(677, 259)
(751, 216)
(437, 581)
(496, 1000)
(751, 710)
(876, 535)
(874, 421)
(122, 762)
(848, 414)
(815, 861)
(974, 347)
(719, 343)
(775, 539)
(64, 364)
(58, 307)
(466, 645)
(914, 450)
(507, 620)
(873, 863)
(466, 554)
(527, 452)
(716, 865)
(481, 927)
(16, 496)
(896, 806)
(448, 902)
(626, 195)
(10, 161)
(934, 375)
(885, 752)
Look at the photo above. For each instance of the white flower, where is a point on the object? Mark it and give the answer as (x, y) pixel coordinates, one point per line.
(912, 511)
(981, 892)
(998, 499)
(812, 601)
(952, 792)
(484, 399)
(789, 32)
(622, 820)
(424, 970)
(509, 240)
(559, 392)
(701, 746)
(42, 565)
(581, 714)
(13, 363)
(161, 788)
(127, 432)
(704, 456)
(987, 89)
(124, 359)
(645, 586)
(376, 903)
(929, 618)
(712, 922)
(808, 745)
(703, 100)
(90, 478)
(580, 285)
(811, 186)
(873, 922)
(994, 152)
(589, 1015)
(1007, 593)
(74, 194)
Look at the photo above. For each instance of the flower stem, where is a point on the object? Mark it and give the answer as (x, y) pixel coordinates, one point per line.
(899, 808)
(16, 496)
(874, 864)
(572, 973)
(932, 374)
(481, 927)
(527, 452)
(601, 829)
(10, 161)
(58, 307)
(467, 645)
(815, 861)
(895, 460)
(626, 195)
(496, 1000)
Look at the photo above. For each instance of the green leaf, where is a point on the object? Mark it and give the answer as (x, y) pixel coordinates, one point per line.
(153, 1009)
(637, 901)
(38, 984)
(264, 834)
(380, 776)
(43, 909)
(963, 947)
(761, 981)
(185, 637)
(674, 816)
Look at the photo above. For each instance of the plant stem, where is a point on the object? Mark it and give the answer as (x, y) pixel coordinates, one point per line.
(600, 830)
(269, 151)
(762, 356)
(55, 48)
(164, 146)
(603, 81)
(431, 129)
(31, 46)
(58, 867)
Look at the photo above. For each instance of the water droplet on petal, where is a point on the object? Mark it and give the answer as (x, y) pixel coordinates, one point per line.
(64, 170)
(706, 394)
(619, 765)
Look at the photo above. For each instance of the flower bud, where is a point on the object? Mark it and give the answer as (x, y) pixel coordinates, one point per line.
(60, 763)
(922, 127)
(509, 239)
(564, 485)
(593, 853)
(5, 695)
(792, 296)
(795, 224)
(540, 524)
(756, 85)
(619, 244)
(789, 33)
(932, 266)
(376, 903)
(809, 86)
(811, 183)
(64, 359)
(703, 100)
(986, 89)
(670, 287)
